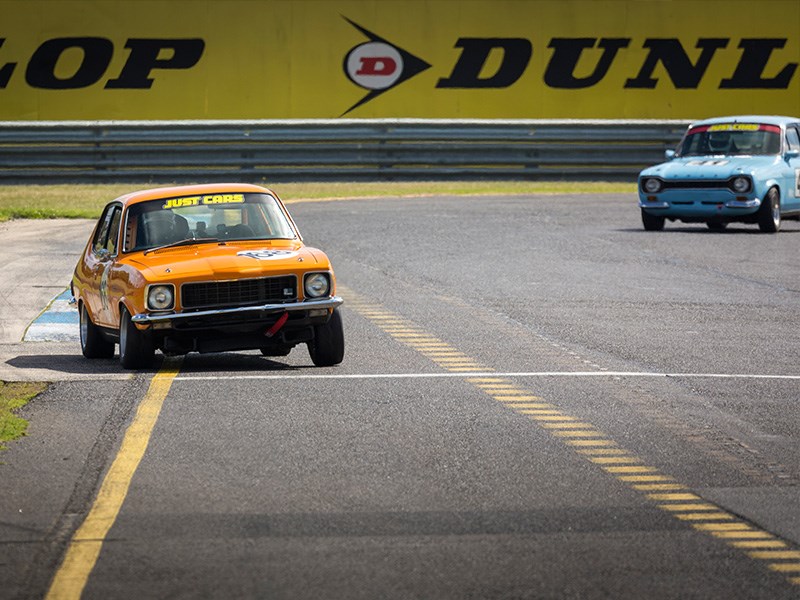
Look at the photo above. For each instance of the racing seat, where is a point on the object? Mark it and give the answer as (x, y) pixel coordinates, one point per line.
(240, 231)
(181, 228)
(160, 228)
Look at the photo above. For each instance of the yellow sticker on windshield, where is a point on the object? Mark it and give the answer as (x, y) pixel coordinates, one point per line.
(203, 200)
(734, 127)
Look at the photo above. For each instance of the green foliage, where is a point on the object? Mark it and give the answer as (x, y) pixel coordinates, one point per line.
(87, 201)
(14, 396)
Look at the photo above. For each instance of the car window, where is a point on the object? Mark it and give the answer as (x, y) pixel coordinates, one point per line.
(107, 233)
(113, 231)
(731, 139)
(792, 138)
(218, 216)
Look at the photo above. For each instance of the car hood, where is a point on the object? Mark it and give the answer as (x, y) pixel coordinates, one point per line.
(232, 260)
(709, 167)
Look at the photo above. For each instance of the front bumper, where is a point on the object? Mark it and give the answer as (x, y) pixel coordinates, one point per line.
(246, 312)
(703, 204)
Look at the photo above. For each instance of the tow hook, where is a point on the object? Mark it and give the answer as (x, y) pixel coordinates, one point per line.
(277, 326)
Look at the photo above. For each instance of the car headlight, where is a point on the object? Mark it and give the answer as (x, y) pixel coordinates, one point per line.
(740, 185)
(161, 297)
(317, 285)
(651, 185)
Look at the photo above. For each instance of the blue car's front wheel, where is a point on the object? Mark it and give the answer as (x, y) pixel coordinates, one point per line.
(652, 222)
(769, 215)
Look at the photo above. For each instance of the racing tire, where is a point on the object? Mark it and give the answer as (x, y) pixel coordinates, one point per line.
(652, 222)
(769, 213)
(327, 347)
(136, 350)
(93, 344)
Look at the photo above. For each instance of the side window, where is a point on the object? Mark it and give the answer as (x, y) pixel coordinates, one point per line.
(113, 231)
(106, 232)
(793, 138)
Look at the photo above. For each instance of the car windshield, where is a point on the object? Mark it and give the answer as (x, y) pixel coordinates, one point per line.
(731, 139)
(211, 217)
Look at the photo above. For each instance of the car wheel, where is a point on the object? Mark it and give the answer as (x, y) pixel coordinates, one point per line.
(652, 222)
(717, 225)
(93, 344)
(136, 349)
(327, 347)
(769, 214)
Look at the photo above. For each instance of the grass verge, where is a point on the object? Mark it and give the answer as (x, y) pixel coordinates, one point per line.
(88, 200)
(14, 396)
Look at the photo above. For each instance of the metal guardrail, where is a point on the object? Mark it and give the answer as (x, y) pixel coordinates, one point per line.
(330, 150)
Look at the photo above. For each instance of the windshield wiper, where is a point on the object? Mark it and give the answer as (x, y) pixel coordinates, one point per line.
(186, 242)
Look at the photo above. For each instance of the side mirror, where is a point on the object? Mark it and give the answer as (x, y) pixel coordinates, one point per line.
(791, 154)
(669, 154)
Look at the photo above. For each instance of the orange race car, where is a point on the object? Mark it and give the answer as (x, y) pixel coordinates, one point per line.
(204, 268)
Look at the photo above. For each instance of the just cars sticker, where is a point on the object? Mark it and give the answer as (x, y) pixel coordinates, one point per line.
(734, 127)
(200, 200)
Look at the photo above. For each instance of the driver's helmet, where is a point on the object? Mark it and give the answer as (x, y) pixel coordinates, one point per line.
(719, 140)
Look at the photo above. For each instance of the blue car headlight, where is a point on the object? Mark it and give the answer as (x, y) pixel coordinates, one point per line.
(652, 185)
(741, 184)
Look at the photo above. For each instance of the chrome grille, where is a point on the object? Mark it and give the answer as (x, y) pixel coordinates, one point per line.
(239, 292)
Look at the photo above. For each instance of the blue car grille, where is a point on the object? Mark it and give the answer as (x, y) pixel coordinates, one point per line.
(239, 292)
(697, 185)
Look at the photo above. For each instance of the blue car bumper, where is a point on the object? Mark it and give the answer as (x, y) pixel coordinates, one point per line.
(699, 204)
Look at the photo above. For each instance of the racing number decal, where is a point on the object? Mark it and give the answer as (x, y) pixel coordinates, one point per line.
(104, 290)
(267, 254)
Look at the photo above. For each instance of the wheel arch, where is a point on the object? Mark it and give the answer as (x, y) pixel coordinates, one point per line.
(773, 183)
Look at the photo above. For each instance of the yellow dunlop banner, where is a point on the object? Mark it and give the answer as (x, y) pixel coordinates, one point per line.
(278, 59)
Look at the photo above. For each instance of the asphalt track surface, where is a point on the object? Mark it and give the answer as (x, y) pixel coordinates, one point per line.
(538, 400)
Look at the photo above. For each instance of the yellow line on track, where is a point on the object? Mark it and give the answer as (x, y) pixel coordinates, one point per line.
(85, 545)
(670, 495)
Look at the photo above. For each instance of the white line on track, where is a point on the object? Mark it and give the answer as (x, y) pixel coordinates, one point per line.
(492, 374)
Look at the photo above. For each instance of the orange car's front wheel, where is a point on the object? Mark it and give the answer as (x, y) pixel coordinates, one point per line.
(136, 350)
(327, 347)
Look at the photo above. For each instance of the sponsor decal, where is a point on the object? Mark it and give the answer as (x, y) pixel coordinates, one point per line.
(146, 55)
(268, 254)
(734, 127)
(530, 59)
(379, 65)
(203, 200)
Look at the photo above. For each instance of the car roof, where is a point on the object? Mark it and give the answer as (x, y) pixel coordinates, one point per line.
(765, 119)
(190, 190)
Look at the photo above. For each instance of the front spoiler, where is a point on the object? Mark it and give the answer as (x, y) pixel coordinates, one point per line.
(264, 309)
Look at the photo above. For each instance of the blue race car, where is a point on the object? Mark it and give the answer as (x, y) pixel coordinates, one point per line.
(731, 169)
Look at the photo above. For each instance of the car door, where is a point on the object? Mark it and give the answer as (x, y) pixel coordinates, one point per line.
(792, 158)
(99, 262)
